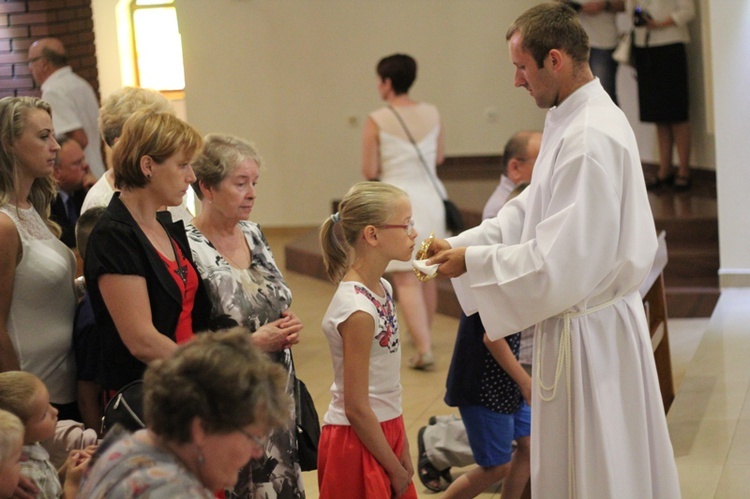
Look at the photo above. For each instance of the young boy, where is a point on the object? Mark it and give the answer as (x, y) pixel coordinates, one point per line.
(26, 396)
(85, 338)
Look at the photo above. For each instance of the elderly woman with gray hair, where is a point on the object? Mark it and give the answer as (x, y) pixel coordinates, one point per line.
(209, 408)
(246, 287)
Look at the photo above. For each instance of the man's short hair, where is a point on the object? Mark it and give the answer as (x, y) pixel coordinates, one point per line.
(548, 26)
(57, 59)
(515, 147)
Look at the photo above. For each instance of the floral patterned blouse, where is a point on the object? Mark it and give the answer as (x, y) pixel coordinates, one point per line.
(253, 297)
(127, 466)
(249, 297)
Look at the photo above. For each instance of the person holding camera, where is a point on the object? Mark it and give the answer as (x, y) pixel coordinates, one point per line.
(598, 19)
(660, 35)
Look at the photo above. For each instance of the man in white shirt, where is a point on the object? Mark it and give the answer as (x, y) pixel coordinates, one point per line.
(569, 255)
(75, 108)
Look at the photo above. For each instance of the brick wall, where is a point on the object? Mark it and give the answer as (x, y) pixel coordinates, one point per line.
(24, 21)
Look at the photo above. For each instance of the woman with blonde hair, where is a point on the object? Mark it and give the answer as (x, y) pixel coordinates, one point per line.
(146, 293)
(37, 297)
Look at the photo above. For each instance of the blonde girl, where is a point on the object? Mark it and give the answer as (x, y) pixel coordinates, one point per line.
(363, 449)
(11, 442)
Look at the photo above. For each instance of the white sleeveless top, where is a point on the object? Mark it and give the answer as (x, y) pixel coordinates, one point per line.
(400, 166)
(40, 324)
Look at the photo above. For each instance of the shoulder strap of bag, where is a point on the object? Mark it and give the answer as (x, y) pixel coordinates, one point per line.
(419, 153)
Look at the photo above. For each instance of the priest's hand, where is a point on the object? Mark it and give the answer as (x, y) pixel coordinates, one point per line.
(452, 261)
(436, 246)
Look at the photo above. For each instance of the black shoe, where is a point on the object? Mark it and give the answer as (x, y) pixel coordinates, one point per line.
(682, 183)
(657, 182)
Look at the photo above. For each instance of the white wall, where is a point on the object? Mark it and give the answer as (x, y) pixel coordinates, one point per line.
(730, 38)
(298, 78)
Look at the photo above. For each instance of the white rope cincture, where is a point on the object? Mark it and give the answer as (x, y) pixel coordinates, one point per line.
(547, 393)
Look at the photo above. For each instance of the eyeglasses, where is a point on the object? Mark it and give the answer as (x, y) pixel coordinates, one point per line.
(261, 442)
(34, 59)
(409, 227)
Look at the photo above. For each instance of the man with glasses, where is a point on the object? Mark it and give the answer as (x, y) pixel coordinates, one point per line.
(75, 107)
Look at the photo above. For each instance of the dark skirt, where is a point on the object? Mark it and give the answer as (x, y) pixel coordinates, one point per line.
(662, 83)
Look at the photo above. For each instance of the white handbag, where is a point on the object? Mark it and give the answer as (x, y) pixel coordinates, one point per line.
(624, 51)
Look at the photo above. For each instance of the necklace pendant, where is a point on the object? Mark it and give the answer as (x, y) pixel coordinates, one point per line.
(182, 273)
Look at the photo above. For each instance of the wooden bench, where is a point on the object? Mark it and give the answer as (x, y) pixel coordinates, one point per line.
(655, 302)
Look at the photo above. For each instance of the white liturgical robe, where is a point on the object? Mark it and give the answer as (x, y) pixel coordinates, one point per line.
(569, 255)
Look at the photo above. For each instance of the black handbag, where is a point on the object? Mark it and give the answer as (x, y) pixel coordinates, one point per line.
(454, 221)
(308, 427)
(453, 218)
(125, 408)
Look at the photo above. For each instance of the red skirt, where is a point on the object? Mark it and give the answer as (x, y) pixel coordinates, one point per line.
(347, 469)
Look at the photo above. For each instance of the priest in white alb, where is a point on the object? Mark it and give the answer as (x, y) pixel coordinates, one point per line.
(569, 255)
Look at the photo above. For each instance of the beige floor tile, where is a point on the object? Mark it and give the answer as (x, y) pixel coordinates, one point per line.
(702, 441)
(699, 481)
(700, 399)
(684, 337)
(739, 451)
(734, 482)
(745, 414)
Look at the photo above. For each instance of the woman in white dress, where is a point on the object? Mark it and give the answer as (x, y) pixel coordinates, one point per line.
(388, 154)
(37, 296)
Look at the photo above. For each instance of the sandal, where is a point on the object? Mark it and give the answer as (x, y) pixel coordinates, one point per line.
(431, 477)
(422, 362)
(682, 182)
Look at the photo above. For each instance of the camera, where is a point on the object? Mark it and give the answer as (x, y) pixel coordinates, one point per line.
(641, 17)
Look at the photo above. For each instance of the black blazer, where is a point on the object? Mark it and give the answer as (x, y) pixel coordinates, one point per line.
(118, 246)
(59, 214)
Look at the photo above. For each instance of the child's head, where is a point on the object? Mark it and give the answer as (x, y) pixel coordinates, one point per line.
(367, 204)
(24, 395)
(11, 441)
(85, 224)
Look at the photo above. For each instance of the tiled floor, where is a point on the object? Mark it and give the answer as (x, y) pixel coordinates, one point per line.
(709, 420)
